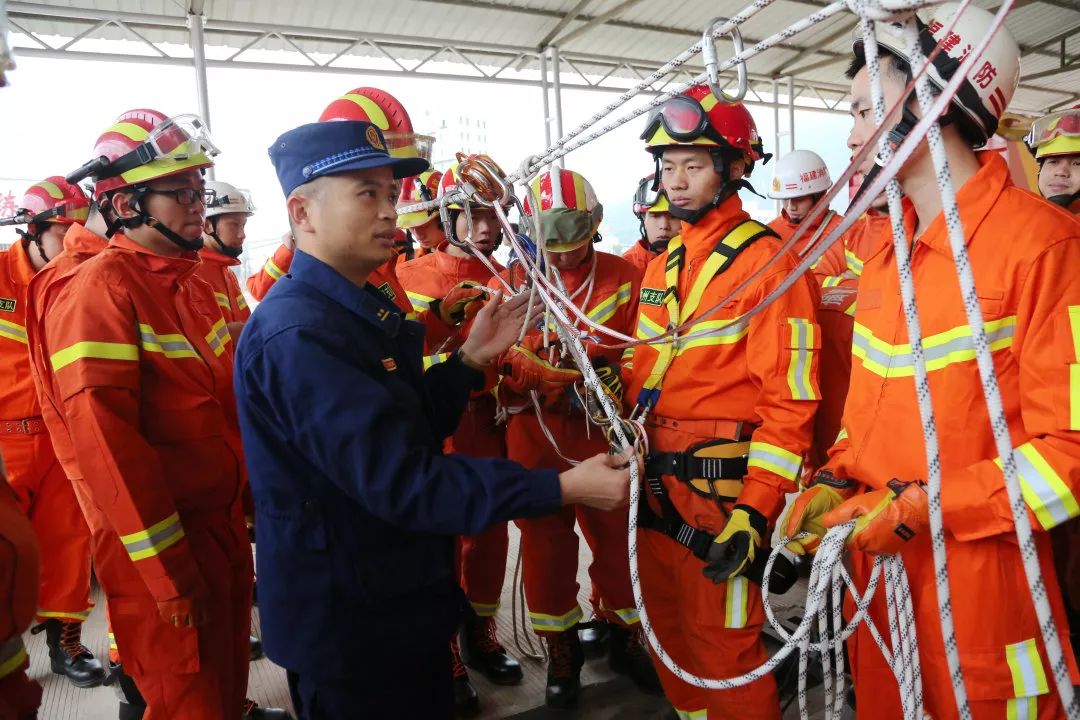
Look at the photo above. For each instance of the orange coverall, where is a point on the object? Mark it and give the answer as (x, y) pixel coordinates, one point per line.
(757, 380)
(214, 271)
(836, 316)
(549, 544)
(19, 563)
(1019, 247)
(383, 277)
(639, 255)
(33, 472)
(833, 257)
(482, 557)
(142, 365)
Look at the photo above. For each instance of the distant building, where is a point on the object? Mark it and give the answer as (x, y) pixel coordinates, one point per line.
(454, 133)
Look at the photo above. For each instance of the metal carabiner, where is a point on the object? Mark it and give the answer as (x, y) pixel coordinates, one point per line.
(712, 62)
(448, 226)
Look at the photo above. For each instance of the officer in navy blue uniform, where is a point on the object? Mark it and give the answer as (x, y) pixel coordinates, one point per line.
(356, 506)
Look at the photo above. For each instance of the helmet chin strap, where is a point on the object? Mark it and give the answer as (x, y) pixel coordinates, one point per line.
(1065, 199)
(35, 238)
(150, 221)
(727, 189)
(222, 248)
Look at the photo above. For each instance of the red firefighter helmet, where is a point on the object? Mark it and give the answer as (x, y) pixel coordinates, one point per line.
(697, 118)
(570, 214)
(172, 144)
(385, 112)
(55, 200)
(420, 188)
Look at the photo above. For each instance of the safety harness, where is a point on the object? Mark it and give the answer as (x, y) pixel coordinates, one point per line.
(720, 259)
(712, 469)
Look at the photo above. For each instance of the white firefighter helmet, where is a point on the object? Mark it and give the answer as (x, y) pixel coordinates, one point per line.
(993, 78)
(798, 174)
(228, 199)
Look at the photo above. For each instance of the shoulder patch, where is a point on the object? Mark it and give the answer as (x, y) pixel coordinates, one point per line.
(390, 364)
(652, 296)
(7, 304)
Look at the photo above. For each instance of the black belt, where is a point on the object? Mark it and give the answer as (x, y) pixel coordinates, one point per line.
(684, 466)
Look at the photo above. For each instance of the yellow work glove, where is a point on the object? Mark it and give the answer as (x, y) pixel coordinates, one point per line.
(824, 493)
(732, 551)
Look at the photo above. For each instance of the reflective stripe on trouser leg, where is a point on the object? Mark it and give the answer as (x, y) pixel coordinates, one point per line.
(605, 533)
(483, 568)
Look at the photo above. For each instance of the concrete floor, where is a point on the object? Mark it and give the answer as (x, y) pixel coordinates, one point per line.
(606, 695)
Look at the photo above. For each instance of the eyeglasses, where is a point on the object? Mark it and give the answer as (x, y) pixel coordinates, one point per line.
(187, 196)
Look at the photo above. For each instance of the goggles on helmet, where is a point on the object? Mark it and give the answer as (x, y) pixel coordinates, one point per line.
(178, 138)
(26, 217)
(683, 119)
(1051, 127)
(647, 195)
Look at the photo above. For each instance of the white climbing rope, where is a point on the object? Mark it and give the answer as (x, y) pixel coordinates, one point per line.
(829, 576)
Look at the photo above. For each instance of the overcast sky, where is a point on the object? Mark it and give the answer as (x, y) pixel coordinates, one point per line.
(54, 110)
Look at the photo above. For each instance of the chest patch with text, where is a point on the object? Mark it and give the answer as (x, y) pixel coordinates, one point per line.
(652, 296)
(7, 304)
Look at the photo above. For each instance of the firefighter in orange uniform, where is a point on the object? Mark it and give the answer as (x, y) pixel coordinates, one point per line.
(658, 226)
(728, 410)
(142, 368)
(801, 179)
(223, 241)
(836, 315)
(1056, 142)
(1018, 246)
(49, 208)
(423, 226)
(447, 287)
(19, 579)
(605, 287)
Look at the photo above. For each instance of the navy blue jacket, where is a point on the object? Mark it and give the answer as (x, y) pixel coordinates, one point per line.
(355, 504)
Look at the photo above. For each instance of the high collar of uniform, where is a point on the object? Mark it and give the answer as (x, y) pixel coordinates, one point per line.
(974, 199)
(469, 266)
(80, 241)
(366, 302)
(702, 236)
(20, 268)
(209, 255)
(811, 226)
(181, 265)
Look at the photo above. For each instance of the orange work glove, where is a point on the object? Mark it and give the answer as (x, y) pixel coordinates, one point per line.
(885, 519)
(824, 493)
(461, 303)
(182, 611)
(524, 370)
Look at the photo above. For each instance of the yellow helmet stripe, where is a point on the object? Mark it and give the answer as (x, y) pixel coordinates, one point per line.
(51, 188)
(130, 131)
(580, 198)
(371, 108)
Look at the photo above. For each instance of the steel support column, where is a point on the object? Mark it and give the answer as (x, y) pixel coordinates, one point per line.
(791, 112)
(195, 22)
(544, 94)
(556, 86)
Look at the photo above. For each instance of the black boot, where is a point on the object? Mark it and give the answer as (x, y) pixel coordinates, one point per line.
(481, 650)
(594, 637)
(68, 656)
(565, 659)
(630, 657)
(252, 711)
(132, 705)
(255, 650)
(466, 700)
